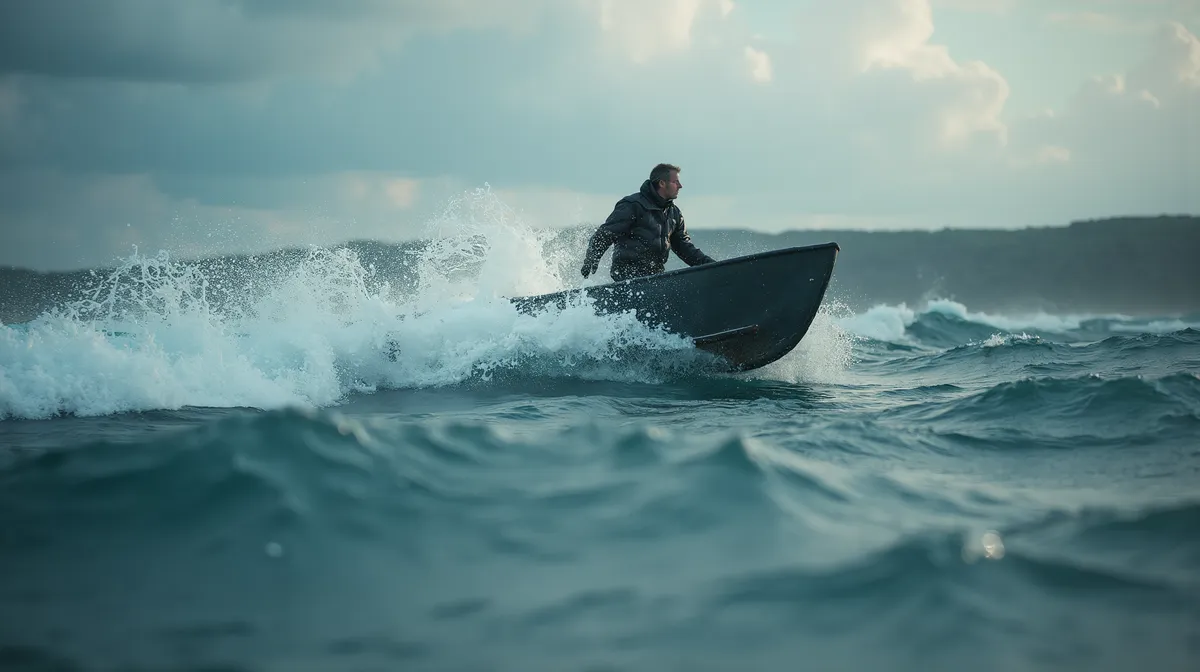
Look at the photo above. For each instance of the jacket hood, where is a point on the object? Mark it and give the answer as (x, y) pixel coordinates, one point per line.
(651, 195)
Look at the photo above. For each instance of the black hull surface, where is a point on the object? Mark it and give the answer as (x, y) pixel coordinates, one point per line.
(748, 310)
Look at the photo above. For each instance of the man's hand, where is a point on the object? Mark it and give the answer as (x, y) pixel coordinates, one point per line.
(589, 268)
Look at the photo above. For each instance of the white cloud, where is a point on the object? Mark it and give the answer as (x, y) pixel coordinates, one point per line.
(644, 30)
(895, 33)
(759, 63)
(1174, 67)
(960, 103)
(1133, 139)
(982, 6)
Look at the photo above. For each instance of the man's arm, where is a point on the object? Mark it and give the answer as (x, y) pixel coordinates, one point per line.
(681, 242)
(606, 234)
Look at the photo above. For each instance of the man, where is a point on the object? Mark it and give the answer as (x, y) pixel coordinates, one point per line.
(643, 229)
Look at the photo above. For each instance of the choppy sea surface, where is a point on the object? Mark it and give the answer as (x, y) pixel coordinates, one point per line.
(257, 485)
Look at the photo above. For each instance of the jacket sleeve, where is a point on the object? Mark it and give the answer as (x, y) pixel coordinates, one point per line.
(681, 242)
(617, 224)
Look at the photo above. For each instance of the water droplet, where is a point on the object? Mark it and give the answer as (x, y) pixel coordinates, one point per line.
(993, 545)
(274, 550)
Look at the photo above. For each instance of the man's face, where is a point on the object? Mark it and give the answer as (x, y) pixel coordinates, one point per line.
(670, 188)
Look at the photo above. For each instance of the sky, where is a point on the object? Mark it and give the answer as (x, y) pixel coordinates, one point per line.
(216, 126)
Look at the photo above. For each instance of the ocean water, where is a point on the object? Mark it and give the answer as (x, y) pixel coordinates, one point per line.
(255, 484)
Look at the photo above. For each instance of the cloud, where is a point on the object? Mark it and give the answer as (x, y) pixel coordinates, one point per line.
(1136, 17)
(759, 63)
(1132, 138)
(214, 41)
(981, 6)
(904, 94)
(1174, 67)
(191, 117)
(644, 30)
(222, 41)
(589, 121)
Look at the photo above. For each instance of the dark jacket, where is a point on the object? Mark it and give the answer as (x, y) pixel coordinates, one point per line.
(643, 229)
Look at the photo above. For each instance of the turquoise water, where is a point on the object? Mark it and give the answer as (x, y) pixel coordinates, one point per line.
(256, 486)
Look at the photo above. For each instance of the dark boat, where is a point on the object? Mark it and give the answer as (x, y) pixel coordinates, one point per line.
(750, 310)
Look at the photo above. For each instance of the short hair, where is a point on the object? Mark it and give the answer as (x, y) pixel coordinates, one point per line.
(663, 172)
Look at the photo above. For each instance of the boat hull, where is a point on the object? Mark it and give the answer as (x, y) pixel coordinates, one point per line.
(749, 311)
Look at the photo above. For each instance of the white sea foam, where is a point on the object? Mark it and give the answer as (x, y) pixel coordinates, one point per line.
(824, 354)
(881, 323)
(891, 323)
(1154, 326)
(151, 337)
(1034, 321)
